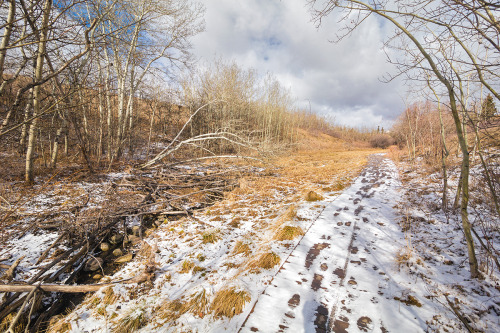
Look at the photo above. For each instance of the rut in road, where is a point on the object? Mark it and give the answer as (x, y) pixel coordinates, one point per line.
(339, 278)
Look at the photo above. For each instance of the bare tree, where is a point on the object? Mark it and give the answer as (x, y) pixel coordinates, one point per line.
(437, 39)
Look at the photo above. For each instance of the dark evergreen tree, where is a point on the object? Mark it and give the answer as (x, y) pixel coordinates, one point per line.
(488, 109)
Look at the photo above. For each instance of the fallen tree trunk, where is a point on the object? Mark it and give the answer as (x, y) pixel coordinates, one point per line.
(71, 289)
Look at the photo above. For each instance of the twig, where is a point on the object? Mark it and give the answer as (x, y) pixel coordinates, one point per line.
(459, 315)
(32, 290)
(486, 248)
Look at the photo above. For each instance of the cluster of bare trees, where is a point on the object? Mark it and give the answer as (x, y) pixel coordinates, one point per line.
(72, 71)
(449, 48)
(105, 80)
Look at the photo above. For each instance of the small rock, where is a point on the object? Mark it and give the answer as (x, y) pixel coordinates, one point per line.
(117, 252)
(115, 239)
(93, 264)
(105, 247)
(125, 258)
(97, 277)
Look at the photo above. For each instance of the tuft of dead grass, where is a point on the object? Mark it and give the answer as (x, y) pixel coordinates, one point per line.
(211, 236)
(289, 214)
(313, 196)
(229, 302)
(242, 247)
(58, 324)
(265, 261)
(133, 320)
(18, 328)
(288, 233)
(403, 257)
(172, 310)
(198, 303)
(186, 267)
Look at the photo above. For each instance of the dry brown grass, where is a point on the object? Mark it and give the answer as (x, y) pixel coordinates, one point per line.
(313, 196)
(59, 324)
(109, 296)
(133, 320)
(229, 302)
(186, 267)
(288, 233)
(242, 247)
(172, 310)
(403, 257)
(198, 303)
(266, 260)
(211, 236)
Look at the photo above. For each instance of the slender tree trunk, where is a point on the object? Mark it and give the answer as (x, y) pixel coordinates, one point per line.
(9, 25)
(36, 90)
(24, 128)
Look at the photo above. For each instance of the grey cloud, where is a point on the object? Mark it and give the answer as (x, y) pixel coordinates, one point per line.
(277, 36)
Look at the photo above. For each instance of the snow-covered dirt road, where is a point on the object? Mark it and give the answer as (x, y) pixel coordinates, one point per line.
(343, 276)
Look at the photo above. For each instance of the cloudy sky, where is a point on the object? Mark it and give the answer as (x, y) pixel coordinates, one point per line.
(339, 80)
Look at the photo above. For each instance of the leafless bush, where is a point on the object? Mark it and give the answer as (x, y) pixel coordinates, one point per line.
(381, 141)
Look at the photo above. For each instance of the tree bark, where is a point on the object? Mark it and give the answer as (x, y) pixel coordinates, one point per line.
(42, 43)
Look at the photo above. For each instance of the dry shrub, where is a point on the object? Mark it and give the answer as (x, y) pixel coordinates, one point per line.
(229, 302)
(381, 141)
(241, 247)
(403, 257)
(133, 320)
(266, 261)
(288, 233)
(186, 267)
(395, 153)
(211, 236)
(313, 196)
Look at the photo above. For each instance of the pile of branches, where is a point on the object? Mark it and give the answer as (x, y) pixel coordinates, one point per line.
(89, 236)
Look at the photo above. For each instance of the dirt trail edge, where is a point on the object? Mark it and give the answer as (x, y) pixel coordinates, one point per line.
(343, 275)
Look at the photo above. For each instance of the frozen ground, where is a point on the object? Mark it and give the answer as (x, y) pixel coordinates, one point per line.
(356, 271)
(377, 257)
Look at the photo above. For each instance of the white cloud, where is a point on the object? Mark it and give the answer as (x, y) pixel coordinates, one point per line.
(278, 36)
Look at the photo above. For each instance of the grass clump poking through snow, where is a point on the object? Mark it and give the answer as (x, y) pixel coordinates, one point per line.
(241, 247)
(266, 261)
(229, 302)
(210, 236)
(313, 196)
(288, 233)
(133, 320)
(172, 310)
(290, 214)
(198, 303)
(186, 267)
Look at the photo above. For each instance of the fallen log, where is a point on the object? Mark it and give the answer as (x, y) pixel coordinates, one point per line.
(71, 289)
